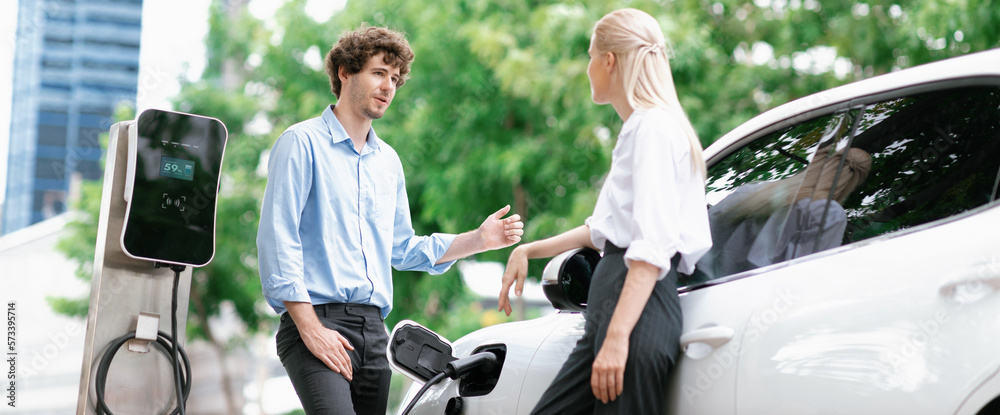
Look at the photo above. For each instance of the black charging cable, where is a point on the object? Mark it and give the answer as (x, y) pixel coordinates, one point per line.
(178, 387)
(169, 344)
(484, 361)
(163, 341)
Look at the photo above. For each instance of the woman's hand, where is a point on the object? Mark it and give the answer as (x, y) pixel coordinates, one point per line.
(608, 376)
(514, 274)
(517, 264)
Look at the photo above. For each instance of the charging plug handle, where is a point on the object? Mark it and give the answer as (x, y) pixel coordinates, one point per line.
(484, 361)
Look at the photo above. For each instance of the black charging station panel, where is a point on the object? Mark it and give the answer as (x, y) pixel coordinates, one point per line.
(171, 212)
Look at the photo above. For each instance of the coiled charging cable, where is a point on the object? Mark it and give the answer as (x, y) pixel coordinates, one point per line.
(168, 343)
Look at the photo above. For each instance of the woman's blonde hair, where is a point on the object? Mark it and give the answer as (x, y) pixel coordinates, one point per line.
(643, 69)
(818, 181)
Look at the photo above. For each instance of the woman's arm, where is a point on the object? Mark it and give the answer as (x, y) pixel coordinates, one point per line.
(517, 264)
(608, 375)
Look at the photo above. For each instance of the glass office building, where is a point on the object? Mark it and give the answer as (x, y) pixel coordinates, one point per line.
(75, 61)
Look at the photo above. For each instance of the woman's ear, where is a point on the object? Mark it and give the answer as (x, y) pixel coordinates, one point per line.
(609, 62)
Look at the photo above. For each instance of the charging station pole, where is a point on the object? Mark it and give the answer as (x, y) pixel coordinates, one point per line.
(122, 289)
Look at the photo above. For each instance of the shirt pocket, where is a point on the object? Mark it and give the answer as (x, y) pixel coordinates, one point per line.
(385, 202)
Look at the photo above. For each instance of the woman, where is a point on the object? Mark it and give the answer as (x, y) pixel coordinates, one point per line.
(650, 220)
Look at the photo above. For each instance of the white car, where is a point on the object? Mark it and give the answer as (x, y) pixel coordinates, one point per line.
(841, 281)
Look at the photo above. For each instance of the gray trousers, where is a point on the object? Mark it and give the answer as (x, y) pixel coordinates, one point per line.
(323, 391)
(653, 347)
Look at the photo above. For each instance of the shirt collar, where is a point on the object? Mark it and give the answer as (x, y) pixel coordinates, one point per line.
(338, 133)
(632, 121)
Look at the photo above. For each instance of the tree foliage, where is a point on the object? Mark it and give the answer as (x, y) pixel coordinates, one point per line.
(498, 108)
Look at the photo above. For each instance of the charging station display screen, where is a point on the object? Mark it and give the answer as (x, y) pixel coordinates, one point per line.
(178, 161)
(176, 168)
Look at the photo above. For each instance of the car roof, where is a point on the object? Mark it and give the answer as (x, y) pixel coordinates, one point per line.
(967, 67)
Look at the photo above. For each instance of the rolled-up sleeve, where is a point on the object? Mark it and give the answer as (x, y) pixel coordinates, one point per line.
(411, 252)
(420, 253)
(656, 215)
(279, 244)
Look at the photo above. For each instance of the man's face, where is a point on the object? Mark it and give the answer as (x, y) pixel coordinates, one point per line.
(371, 90)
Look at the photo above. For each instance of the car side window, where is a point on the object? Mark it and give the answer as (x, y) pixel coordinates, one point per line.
(817, 219)
(867, 171)
(934, 155)
(754, 190)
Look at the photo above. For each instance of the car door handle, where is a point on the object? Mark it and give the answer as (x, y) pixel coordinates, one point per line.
(973, 283)
(714, 336)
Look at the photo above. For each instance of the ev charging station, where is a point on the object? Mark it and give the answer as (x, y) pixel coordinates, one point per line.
(157, 221)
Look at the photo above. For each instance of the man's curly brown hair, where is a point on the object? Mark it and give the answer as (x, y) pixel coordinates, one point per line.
(354, 49)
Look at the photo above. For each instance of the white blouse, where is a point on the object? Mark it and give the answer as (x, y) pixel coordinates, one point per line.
(652, 201)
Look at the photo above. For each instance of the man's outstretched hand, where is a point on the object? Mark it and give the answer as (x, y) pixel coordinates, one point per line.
(500, 232)
(496, 232)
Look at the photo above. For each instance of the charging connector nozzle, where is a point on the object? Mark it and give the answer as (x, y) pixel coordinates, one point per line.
(484, 361)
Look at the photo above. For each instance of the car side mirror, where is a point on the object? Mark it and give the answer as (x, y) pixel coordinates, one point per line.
(566, 278)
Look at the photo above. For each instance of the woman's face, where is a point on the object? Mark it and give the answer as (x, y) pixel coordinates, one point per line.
(599, 74)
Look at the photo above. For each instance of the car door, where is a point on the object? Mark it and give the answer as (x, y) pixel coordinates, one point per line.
(903, 317)
(751, 192)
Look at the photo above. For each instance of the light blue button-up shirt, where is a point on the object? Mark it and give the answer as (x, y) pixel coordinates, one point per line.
(333, 220)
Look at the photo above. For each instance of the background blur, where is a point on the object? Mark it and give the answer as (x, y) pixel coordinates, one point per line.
(497, 111)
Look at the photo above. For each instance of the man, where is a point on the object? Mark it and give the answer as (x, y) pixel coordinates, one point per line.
(334, 218)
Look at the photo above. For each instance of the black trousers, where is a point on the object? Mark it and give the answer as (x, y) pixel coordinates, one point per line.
(323, 391)
(653, 347)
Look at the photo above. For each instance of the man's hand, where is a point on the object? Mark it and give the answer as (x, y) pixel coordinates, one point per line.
(496, 232)
(514, 274)
(607, 377)
(330, 347)
(499, 233)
